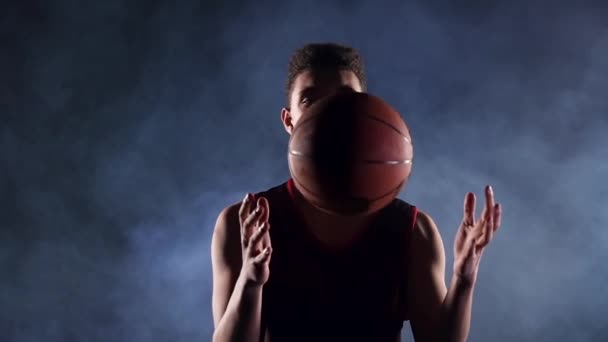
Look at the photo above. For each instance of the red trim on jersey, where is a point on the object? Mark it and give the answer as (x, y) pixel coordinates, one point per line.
(415, 215)
(290, 188)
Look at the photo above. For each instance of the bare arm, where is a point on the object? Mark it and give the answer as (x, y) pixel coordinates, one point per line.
(472, 237)
(437, 313)
(427, 288)
(236, 302)
(456, 310)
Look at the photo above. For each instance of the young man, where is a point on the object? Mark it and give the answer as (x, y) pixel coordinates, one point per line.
(286, 271)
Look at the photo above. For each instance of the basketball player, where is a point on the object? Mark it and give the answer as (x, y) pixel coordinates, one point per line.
(286, 271)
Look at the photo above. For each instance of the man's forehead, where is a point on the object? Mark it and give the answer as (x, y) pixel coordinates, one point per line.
(316, 78)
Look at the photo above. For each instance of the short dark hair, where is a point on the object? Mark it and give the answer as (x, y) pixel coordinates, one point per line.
(319, 56)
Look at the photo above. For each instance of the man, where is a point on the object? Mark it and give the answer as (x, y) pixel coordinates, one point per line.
(286, 271)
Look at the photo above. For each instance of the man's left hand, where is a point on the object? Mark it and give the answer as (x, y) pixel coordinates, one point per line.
(474, 235)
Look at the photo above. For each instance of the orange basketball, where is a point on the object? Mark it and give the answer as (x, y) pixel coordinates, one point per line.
(350, 154)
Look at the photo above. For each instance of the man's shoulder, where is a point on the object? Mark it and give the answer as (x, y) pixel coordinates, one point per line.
(227, 224)
(425, 228)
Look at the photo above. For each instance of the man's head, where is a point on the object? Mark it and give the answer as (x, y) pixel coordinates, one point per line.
(318, 70)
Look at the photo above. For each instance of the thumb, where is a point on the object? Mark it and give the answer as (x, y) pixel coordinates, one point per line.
(263, 257)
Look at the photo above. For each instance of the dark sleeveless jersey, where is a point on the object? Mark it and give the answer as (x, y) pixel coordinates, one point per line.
(314, 294)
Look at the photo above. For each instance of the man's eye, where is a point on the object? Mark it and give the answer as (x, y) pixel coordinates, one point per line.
(305, 100)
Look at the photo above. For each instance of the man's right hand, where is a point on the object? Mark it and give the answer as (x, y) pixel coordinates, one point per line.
(255, 240)
(238, 283)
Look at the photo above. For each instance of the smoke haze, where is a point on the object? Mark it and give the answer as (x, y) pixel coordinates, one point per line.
(127, 126)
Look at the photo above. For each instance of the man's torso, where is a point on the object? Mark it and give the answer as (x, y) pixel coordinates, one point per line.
(355, 294)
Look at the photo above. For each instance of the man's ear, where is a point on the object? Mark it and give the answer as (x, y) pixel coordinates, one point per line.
(287, 120)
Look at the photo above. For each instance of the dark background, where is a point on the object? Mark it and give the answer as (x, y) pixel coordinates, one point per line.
(127, 125)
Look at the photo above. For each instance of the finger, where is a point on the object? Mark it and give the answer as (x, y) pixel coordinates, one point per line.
(497, 216)
(266, 242)
(263, 203)
(249, 225)
(245, 207)
(469, 209)
(488, 231)
(256, 238)
(263, 257)
(244, 210)
(488, 210)
(253, 218)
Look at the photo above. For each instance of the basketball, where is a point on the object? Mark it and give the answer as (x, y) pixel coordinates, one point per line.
(350, 154)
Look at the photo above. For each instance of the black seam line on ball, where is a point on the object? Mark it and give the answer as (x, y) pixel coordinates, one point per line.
(369, 116)
(366, 161)
(391, 126)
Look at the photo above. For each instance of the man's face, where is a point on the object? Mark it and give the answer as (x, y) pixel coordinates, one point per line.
(310, 86)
